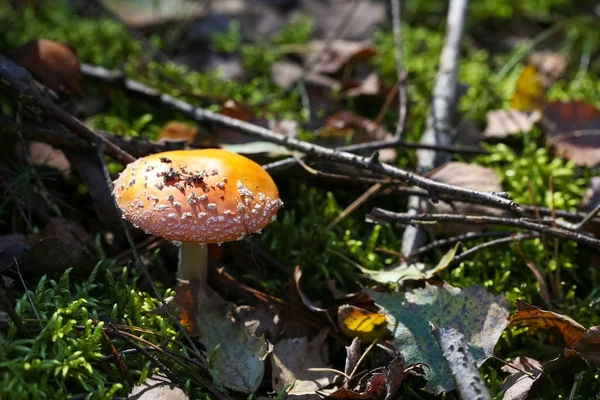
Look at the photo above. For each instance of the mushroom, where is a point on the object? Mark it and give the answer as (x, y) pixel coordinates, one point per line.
(196, 197)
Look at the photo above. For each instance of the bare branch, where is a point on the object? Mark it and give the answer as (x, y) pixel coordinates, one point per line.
(379, 215)
(369, 163)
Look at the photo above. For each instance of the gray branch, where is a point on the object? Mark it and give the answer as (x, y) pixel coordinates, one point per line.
(441, 114)
(460, 361)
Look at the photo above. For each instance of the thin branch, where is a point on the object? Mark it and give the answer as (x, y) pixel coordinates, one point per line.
(311, 150)
(378, 215)
(592, 214)
(19, 81)
(64, 139)
(455, 239)
(400, 73)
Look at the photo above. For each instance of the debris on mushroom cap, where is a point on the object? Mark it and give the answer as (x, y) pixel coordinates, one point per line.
(197, 196)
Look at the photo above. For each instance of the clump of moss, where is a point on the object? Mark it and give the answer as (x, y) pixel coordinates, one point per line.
(71, 354)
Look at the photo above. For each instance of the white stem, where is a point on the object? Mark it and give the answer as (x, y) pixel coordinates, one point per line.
(193, 262)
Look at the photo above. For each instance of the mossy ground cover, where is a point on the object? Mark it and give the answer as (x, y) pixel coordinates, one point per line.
(70, 355)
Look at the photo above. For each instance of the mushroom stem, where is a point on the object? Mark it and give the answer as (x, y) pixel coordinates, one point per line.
(193, 262)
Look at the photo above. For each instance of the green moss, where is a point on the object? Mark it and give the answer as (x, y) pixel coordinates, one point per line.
(68, 355)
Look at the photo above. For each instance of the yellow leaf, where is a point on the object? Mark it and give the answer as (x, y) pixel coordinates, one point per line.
(530, 91)
(363, 324)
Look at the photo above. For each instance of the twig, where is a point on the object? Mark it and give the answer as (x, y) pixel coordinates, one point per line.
(460, 361)
(400, 73)
(379, 215)
(154, 360)
(467, 253)
(591, 215)
(438, 126)
(19, 81)
(362, 357)
(26, 291)
(66, 140)
(529, 374)
(311, 150)
(17, 202)
(282, 165)
(7, 307)
(355, 204)
(455, 239)
(117, 357)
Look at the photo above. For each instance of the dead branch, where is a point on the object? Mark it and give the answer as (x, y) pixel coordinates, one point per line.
(311, 150)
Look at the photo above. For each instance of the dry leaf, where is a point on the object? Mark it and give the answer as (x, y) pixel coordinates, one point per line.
(158, 387)
(54, 64)
(561, 330)
(358, 323)
(589, 346)
(144, 14)
(176, 130)
(530, 90)
(465, 175)
(518, 384)
(566, 116)
(504, 123)
(581, 147)
(338, 54)
(292, 359)
(479, 315)
(550, 65)
(346, 124)
(329, 15)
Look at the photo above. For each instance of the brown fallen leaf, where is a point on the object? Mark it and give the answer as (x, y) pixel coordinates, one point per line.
(589, 346)
(561, 330)
(465, 175)
(379, 382)
(346, 124)
(297, 297)
(573, 128)
(338, 54)
(291, 360)
(177, 130)
(566, 116)
(518, 384)
(54, 64)
(504, 123)
(329, 15)
(581, 147)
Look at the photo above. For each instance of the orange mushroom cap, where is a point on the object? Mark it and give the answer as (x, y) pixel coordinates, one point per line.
(197, 196)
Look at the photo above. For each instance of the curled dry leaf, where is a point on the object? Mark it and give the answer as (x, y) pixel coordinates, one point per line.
(379, 382)
(561, 330)
(362, 324)
(466, 175)
(518, 384)
(291, 360)
(589, 346)
(54, 64)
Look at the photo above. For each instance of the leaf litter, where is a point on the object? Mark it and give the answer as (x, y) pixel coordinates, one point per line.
(478, 315)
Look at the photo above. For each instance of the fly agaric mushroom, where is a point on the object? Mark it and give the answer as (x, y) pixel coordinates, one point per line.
(196, 197)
